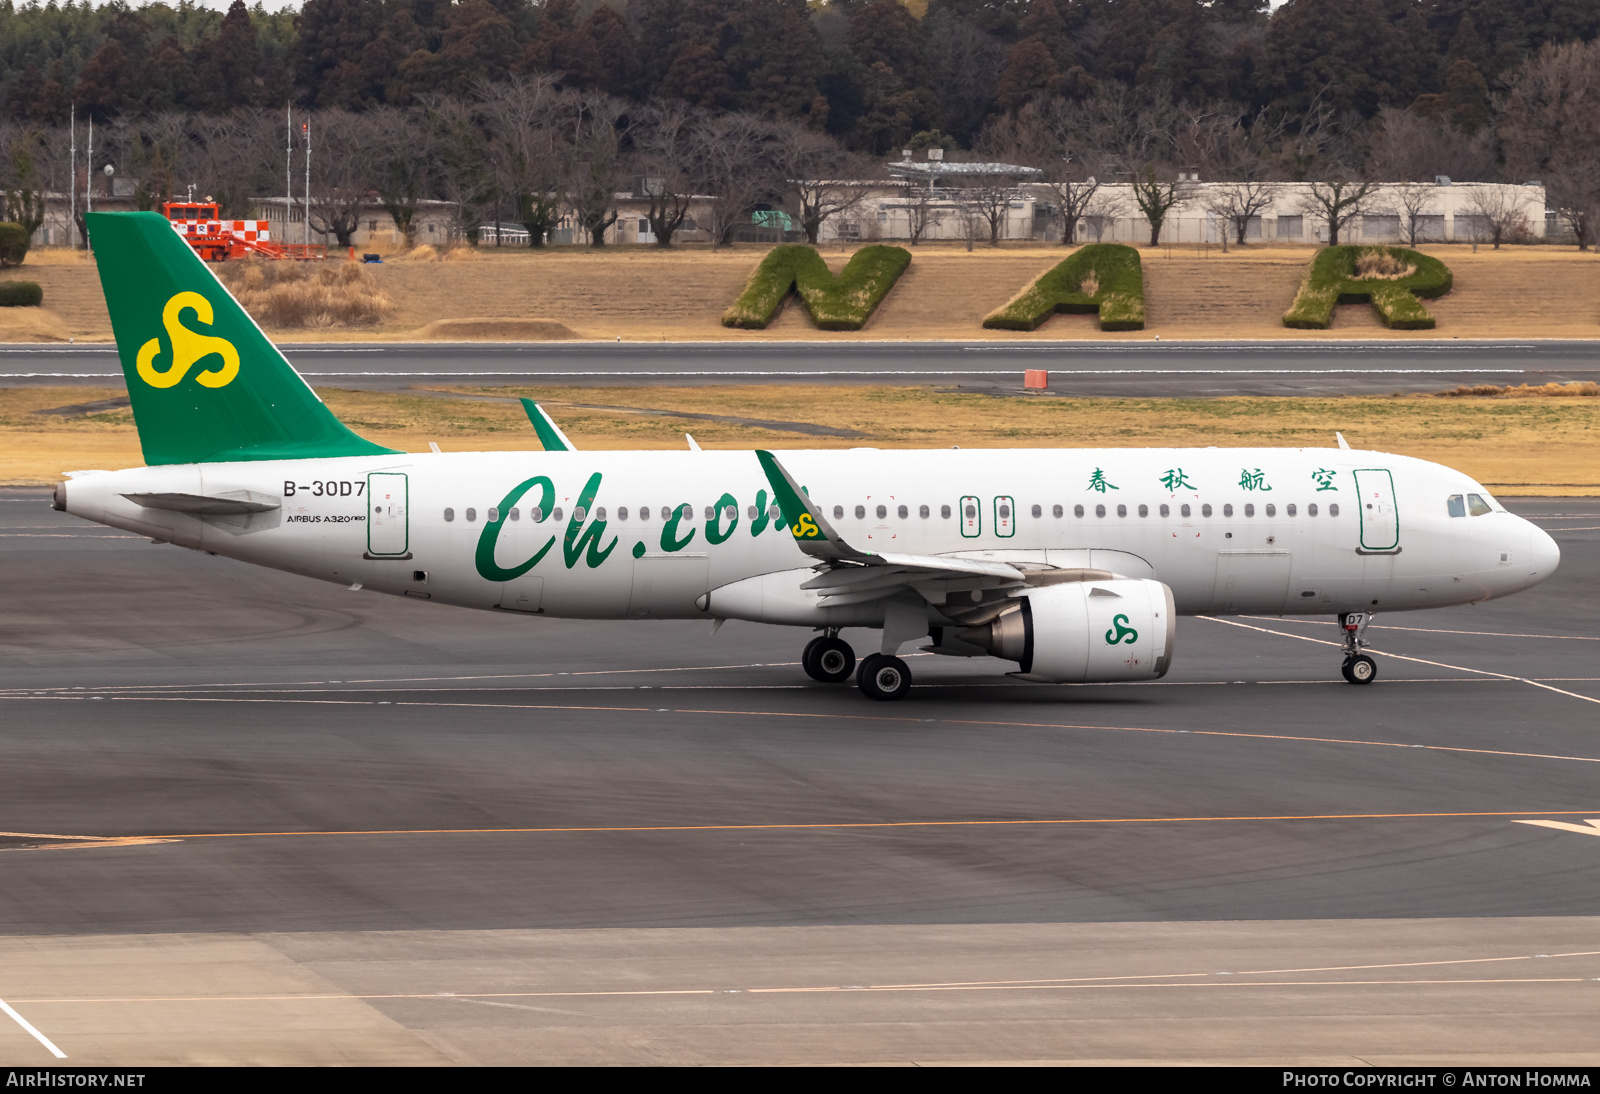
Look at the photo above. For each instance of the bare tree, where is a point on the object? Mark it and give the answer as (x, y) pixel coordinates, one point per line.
(735, 168)
(1336, 201)
(925, 210)
(23, 189)
(597, 167)
(528, 148)
(1046, 134)
(404, 174)
(989, 195)
(341, 173)
(1158, 193)
(1410, 202)
(1410, 148)
(1550, 129)
(1499, 213)
(1239, 203)
(234, 156)
(823, 179)
(666, 165)
(1572, 188)
(464, 175)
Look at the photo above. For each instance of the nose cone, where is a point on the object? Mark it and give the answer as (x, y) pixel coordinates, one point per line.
(1543, 554)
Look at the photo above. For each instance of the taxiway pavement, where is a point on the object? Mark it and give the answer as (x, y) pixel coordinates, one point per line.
(1143, 368)
(250, 817)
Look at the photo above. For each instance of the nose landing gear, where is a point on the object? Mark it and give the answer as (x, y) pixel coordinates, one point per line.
(1358, 668)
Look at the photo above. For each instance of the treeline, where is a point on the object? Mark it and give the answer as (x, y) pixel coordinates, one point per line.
(871, 73)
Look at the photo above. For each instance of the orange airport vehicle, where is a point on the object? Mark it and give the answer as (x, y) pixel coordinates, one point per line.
(217, 240)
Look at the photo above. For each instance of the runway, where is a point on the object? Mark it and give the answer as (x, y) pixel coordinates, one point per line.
(1141, 368)
(246, 817)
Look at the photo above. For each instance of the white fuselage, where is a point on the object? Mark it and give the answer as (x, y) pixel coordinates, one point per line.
(1381, 538)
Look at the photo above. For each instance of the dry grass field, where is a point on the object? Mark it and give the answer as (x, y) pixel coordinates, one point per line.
(645, 294)
(1552, 445)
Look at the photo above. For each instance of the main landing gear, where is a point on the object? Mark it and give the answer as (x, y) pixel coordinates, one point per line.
(830, 659)
(1358, 668)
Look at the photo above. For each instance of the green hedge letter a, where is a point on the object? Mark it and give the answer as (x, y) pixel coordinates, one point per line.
(1101, 278)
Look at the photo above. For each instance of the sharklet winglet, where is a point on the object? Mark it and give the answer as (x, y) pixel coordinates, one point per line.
(811, 531)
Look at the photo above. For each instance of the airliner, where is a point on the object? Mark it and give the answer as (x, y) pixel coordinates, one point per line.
(1072, 564)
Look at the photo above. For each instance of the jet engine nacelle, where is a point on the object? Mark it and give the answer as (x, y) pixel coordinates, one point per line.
(1085, 631)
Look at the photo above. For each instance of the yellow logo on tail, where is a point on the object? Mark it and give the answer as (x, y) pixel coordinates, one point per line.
(188, 347)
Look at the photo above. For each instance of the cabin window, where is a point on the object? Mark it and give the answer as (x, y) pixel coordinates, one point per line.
(1056, 511)
(622, 512)
(1205, 510)
(1184, 509)
(1099, 510)
(1311, 510)
(494, 515)
(535, 514)
(1287, 509)
(449, 514)
(1456, 506)
(555, 514)
(580, 514)
(514, 514)
(644, 512)
(600, 513)
(711, 512)
(1005, 512)
(729, 512)
(751, 512)
(1144, 510)
(775, 512)
(1122, 510)
(1333, 509)
(1077, 510)
(944, 511)
(685, 512)
(1227, 511)
(1477, 506)
(838, 512)
(904, 512)
(883, 511)
(1272, 510)
(472, 514)
(861, 512)
(1249, 509)
(1037, 511)
(922, 511)
(1166, 510)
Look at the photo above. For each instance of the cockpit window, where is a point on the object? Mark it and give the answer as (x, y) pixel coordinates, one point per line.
(1457, 505)
(1477, 506)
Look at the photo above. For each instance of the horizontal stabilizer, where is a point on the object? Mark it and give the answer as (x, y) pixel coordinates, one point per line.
(245, 501)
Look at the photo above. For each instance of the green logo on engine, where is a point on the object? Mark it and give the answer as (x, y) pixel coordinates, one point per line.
(1121, 632)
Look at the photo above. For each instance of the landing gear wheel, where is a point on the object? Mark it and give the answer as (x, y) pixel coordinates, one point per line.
(829, 660)
(883, 677)
(1360, 669)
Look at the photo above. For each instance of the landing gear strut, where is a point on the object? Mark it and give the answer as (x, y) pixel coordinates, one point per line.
(828, 658)
(1358, 668)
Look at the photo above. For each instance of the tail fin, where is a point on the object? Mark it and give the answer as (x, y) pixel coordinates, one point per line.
(205, 382)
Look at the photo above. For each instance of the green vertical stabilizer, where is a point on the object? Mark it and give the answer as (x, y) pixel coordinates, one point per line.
(206, 384)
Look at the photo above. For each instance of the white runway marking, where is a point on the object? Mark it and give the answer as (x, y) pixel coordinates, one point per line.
(1427, 630)
(37, 1036)
(1589, 827)
(1403, 657)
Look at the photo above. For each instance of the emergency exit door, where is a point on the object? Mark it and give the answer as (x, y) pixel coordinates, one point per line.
(388, 527)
